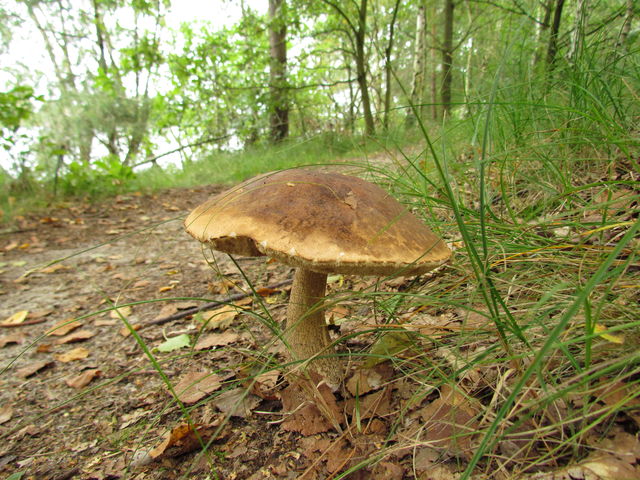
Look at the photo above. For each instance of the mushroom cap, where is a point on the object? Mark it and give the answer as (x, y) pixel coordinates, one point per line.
(325, 222)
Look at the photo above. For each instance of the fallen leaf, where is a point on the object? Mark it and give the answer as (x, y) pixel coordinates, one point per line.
(12, 338)
(221, 286)
(450, 422)
(599, 329)
(83, 379)
(125, 332)
(63, 327)
(166, 288)
(121, 312)
(174, 343)
(219, 318)
(33, 368)
(79, 353)
(15, 319)
(58, 267)
(6, 412)
(183, 439)
(196, 385)
(79, 336)
(312, 407)
(216, 340)
(237, 402)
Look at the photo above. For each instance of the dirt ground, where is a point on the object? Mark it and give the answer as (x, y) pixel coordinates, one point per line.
(83, 400)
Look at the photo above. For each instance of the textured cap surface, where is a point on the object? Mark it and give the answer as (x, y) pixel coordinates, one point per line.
(325, 222)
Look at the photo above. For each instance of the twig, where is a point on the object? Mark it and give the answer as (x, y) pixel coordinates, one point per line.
(207, 306)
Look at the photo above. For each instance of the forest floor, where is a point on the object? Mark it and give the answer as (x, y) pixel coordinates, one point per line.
(89, 392)
(81, 399)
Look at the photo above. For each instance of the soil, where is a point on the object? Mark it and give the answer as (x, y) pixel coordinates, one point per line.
(91, 404)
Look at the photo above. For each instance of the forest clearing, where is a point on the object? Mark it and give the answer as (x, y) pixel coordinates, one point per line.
(320, 240)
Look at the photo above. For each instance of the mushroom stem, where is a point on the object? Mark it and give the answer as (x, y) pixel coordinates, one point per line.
(307, 332)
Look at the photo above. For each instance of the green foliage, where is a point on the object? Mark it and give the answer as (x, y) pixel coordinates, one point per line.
(110, 177)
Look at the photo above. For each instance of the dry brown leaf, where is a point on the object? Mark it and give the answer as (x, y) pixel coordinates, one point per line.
(183, 439)
(33, 368)
(312, 407)
(364, 381)
(58, 267)
(220, 318)
(237, 402)
(216, 340)
(6, 412)
(12, 338)
(221, 286)
(125, 332)
(79, 353)
(63, 327)
(83, 379)
(79, 336)
(449, 422)
(196, 385)
(374, 404)
(15, 319)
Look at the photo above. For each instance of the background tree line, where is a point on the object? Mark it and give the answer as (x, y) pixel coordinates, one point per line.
(125, 91)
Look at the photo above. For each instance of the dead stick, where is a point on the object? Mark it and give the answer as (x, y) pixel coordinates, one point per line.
(207, 306)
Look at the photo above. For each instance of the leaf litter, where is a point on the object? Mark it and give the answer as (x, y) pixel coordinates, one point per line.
(261, 424)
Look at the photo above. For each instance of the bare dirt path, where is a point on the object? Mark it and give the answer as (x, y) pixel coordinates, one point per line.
(81, 399)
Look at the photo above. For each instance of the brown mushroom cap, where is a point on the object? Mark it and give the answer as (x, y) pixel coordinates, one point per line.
(325, 222)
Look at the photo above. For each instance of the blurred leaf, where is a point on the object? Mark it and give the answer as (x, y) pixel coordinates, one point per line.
(15, 319)
(619, 339)
(175, 343)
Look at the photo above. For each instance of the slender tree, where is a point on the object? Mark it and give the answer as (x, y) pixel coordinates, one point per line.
(552, 48)
(419, 56)
(447, 57)
(357, 30)
(279, 115)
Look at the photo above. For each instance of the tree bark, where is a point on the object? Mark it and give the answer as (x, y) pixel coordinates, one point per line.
(447, 57)
(626, 26)
(361, 69)
(279, 118)
(387, 66)
(553, 35)
(541, 29)
(419, 53)
(577, 36)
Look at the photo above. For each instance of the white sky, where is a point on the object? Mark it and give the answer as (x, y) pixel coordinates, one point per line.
(27, 51)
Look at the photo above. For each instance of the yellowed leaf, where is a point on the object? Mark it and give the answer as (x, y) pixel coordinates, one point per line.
(79, 353)
(599, 329)
(15, 319)
(166, 288)
(219, 318)
(121, 311)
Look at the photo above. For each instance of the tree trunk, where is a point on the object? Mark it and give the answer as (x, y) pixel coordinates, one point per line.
(577, 36)
(387, 67)
(626, 26)
(361, 69)
(419, 53)
(434, 72)
(279, 121)
(553, 35)
(541, 29)
(447, 57)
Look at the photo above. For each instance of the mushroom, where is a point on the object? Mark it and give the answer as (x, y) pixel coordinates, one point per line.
(320, 223)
